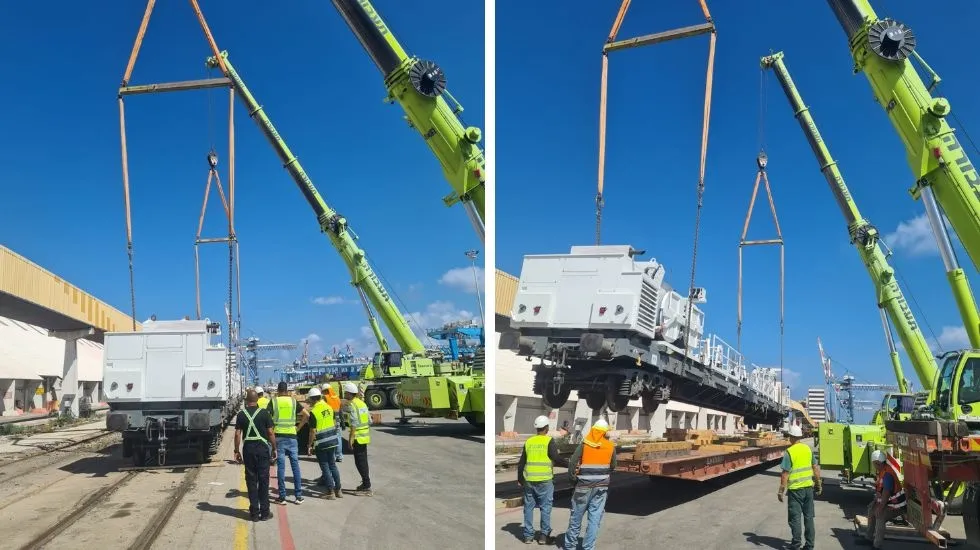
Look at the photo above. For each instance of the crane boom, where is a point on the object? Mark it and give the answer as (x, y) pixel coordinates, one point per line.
(864, 237)
(332, 223)
(419, 86)
(943, 172)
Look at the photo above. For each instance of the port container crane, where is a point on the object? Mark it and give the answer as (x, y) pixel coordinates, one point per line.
(419, 87)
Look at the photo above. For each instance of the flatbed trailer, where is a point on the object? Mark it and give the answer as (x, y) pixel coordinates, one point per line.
(937, 455)
(699, 464)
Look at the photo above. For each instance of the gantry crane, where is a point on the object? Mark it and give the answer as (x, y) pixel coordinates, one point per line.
(252, 361)
(419, 86)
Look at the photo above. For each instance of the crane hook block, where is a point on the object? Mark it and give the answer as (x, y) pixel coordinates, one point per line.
(762, 160)
(212, 159)
(891, 40)
(427, 78)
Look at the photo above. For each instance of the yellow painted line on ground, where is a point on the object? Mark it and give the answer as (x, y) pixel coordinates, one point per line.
(241, 527)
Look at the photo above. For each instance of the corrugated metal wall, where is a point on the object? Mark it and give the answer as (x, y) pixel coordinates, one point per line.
(23, 278)
(505, 289)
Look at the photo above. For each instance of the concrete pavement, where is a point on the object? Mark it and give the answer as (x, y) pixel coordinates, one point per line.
(739, 511)
(428, 493)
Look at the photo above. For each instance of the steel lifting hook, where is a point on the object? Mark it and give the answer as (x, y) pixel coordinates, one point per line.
(212, 159)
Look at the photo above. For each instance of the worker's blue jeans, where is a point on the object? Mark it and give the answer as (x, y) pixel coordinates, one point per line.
(288, 447)
(538, 494)
(339, 453)
(328, 467)
(593, 501)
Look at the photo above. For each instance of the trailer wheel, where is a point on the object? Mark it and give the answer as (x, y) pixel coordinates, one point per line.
(595, 400)
(555, 397)
(376, 399)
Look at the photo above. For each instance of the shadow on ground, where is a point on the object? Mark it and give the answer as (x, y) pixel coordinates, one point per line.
(223, 510)
(461, 430)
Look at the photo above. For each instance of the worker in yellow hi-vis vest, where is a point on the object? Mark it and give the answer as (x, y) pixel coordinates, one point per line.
(359, 422)
(263, 398)
(800, 479)
(536, 476)
(284, 415)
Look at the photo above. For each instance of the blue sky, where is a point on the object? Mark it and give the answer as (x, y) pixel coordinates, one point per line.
(60, 160)
(547, 124)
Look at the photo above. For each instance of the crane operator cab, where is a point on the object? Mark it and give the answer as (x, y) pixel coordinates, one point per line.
(895, 406)
(384, 361)
(957, 391)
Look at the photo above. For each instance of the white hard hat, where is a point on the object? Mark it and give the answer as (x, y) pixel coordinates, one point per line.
(795, 431)
(350, 387)
(601, 424)
(325, 387)
(258, 389)
(314, 392)
(541, 422)
(878, 456)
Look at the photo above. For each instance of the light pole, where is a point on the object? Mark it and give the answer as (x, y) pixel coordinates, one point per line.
(472, 254)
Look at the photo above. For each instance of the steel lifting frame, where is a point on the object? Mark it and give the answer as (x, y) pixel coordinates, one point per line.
(228, 203)
(761, 176)
(611, 45)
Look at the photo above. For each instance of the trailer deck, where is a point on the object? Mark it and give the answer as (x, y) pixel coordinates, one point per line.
(700, 462)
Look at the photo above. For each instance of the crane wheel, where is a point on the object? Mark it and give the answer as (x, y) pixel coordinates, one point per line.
(393, 399)
(376, 399)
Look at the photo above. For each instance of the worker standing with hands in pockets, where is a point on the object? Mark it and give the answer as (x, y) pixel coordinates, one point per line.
(800, 478)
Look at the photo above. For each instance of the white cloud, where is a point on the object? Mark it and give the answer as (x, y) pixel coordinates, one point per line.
(436, 315)
(461, 278)
(950, 338)
(914, 237)
(313, 337)
(329, 300)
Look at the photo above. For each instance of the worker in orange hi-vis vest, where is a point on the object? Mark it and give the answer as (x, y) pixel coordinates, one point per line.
(334, 401)
(590, 467)
(889, 502)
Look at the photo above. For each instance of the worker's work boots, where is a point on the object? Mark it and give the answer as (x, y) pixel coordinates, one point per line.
(364, 491)
(329, 495)
(338, 494)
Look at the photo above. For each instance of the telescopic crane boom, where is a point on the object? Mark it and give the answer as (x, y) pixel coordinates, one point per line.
(943, 173)
(332, 223)
(865, 239)
(419, 86)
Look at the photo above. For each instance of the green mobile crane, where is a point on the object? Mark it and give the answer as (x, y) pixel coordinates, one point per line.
(945, 178)
(846, 447)
(390, 367)
(419, 86)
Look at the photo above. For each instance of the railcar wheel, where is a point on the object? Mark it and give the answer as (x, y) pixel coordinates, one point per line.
(555, 397)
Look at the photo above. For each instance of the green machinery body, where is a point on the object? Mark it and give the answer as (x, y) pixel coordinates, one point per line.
(419, 86)
(392, 366)
(883, 49)
(847, 448)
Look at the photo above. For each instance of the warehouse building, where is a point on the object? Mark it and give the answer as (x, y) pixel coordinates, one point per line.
(516, 406)
(31, 366)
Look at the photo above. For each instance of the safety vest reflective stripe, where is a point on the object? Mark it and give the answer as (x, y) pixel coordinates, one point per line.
(360, 421)
(325, 429)
(252, 433)
(284, 413)
(594, 472)
(801, 467)
(896, 501)
(538, 466)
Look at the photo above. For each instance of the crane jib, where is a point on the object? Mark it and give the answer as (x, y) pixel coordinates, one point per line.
(372, 32)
